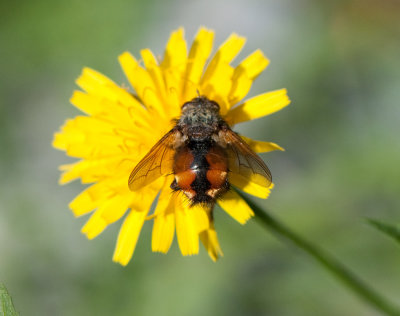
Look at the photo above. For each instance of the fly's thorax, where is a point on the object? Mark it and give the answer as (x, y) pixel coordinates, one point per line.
(200, 118)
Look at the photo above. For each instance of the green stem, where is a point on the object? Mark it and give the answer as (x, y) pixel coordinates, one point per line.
(326, 260)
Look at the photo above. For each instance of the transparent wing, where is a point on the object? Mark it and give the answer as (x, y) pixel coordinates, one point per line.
(244, 161)
(156, 163)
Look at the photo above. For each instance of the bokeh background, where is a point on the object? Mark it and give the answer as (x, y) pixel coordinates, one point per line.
(340, 62)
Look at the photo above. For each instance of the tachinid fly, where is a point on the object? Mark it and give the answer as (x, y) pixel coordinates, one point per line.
(202, 152)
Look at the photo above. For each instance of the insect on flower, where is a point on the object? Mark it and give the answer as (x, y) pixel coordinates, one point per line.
(201, 151)
(168, 141)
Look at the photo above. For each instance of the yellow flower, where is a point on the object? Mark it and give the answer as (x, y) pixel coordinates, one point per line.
(120, 127)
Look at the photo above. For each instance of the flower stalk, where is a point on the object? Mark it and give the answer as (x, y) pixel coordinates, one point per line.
(330, 263)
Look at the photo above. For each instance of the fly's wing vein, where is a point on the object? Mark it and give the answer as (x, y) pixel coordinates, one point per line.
(244, 161)
(157, 162)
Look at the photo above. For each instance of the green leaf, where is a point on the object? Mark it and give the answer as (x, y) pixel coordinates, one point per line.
(388, 229)
(6, 306)
(348, 278)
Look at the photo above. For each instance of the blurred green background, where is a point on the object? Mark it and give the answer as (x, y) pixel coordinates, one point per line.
(340, 62)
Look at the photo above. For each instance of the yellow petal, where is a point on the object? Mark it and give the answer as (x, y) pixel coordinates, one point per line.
(114, 208)
(88, 104)
(249, 187)
(69, 172)
(240, 87)
(163, 232)
(259, 106)
(244, 75)
(90, 198)
(173, 84)
(121, 113)
(80, 138)
(252, 65)
(186, 232)
(68, 135)
(94, 83)
(199, 217)
(154, 71)
(236, 207)
(217, 80)
(164, 221)
(210, 241)
(142, 82)
(224, 55)
(94, 226)
(74, 131)
(217, 88)
(167, 83)
(128, 236)
(175, 55)
(174, 68)
(163, 227)
(91, 80)
(83, 204)
(198, 55)
(166, 196)
(260, 146)
(110, 210)
(90, 170)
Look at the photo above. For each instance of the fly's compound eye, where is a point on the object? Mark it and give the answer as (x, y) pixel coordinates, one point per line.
(184, 106)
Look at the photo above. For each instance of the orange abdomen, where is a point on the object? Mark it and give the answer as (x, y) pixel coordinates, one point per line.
(184, 175)
(201, 172)
(218, 167)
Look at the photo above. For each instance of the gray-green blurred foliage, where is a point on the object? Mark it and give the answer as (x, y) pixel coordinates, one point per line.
(339, 61)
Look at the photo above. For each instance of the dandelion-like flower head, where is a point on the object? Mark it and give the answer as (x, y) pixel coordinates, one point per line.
(120, 126)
